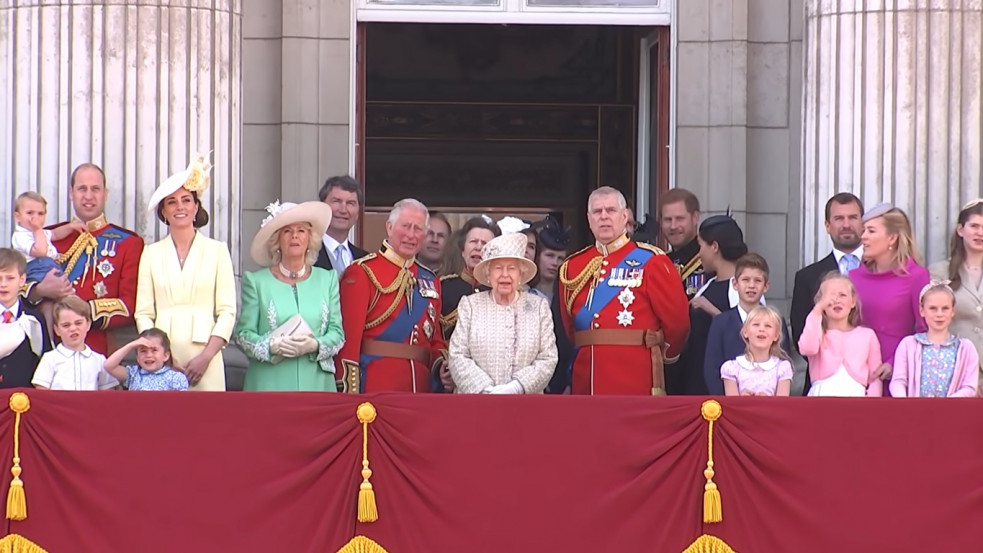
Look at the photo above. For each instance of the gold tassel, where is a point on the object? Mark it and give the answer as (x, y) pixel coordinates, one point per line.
(16, 500)
(708, 544)
(367, 510)
(712, 508)
(359, 544)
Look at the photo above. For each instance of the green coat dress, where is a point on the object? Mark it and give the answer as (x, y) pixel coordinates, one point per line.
(266, 304)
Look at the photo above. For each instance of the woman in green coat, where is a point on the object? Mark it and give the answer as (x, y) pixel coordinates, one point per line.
(290, 319)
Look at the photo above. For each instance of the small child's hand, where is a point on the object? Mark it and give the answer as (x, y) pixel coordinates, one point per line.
(78, 226)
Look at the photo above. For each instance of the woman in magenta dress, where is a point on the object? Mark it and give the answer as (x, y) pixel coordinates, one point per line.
(889, 281)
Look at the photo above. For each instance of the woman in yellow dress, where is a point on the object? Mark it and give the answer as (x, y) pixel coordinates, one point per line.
(186, 285)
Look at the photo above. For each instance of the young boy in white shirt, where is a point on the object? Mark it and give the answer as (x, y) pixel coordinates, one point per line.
(72, 365)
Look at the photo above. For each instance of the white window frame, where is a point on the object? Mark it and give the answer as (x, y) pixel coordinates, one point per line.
(515, 12)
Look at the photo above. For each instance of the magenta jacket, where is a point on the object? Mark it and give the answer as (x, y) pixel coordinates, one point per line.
(906, 379)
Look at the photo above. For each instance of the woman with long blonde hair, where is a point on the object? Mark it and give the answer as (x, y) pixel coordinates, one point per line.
(889, 281)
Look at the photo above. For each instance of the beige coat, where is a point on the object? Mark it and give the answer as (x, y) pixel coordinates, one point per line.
(968, 322)
(191, 304)
(495, 344)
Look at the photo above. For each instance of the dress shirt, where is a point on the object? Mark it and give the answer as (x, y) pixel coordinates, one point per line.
(332, 245)
(66, 369)
(838, 255)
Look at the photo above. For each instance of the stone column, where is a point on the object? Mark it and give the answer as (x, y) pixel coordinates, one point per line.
(891, 111)
(134, 86)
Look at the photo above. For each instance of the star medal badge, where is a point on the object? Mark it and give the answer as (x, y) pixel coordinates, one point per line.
(428, 329)
(626, 297)
(100, 289)
(432, 312)
(625, 317)
(105, 268)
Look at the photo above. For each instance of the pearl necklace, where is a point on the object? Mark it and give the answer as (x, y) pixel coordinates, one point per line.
(291, 274)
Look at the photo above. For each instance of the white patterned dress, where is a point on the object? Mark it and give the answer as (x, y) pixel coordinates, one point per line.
(494, 344)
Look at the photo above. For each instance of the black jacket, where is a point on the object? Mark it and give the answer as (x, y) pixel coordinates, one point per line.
(804, 299)
(324, 260)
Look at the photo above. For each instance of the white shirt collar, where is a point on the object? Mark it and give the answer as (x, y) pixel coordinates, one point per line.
(766, 365)
(331, 244)
(838, 255)
(64, 350)
(14, 309)
(741, 312)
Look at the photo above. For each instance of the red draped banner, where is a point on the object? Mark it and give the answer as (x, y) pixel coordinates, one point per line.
(238, 472)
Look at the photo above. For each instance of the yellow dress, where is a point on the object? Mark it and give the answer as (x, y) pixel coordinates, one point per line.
(191, 304)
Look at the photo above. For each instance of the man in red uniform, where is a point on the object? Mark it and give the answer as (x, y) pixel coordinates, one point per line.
(390, 310)
(623, 305)
(100, 265)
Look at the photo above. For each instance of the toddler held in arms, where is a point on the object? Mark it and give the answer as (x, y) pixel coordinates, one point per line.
(763, 369)
(844, 358)
(153, 371)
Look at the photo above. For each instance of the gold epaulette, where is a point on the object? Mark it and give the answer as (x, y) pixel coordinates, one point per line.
(367, 257)
(654, 249)
(448, 277)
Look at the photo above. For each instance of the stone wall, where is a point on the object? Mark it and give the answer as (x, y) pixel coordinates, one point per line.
(739, 68)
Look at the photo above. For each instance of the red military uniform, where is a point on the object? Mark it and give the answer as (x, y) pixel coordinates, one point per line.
(102, 265)
(390, 309)
(611, 296)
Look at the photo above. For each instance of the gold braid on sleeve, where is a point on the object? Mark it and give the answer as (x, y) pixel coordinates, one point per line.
(402, 285)
(572, 287)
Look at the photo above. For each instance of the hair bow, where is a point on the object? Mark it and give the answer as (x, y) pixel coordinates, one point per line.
(936, 284)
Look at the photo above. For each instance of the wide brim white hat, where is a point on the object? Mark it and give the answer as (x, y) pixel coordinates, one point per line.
(194, 178)
(317, 214)
(507, 246)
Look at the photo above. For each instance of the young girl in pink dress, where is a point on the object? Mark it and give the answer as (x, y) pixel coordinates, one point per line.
(935, 363)
(764, 369)
(843, 358)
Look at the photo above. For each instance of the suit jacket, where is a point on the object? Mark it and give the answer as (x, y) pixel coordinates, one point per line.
(324, 260)
(724, 343)
(17, 367)
(191, 303)
(804, 298)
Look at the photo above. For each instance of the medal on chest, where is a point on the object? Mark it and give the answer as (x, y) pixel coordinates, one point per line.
(626, 278)
(625, 316)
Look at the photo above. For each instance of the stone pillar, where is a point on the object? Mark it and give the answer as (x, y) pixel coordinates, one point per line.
(891, 112)
(133, 86)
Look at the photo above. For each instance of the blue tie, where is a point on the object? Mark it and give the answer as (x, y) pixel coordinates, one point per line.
(848, 263)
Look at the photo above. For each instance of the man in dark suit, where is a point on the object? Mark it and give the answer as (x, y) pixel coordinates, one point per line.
(345, 198)
(844, 212)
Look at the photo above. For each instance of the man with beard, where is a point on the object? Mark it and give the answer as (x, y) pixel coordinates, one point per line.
(477, 232)
(679, 217)
(433, 249)
(844, 214)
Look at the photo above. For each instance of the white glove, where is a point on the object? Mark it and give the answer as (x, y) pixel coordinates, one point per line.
(303, 344)
(275, 345)
(288, 348)
(511, 388)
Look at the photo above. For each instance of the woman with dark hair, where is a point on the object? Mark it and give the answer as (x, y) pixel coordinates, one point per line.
(186, 286)
(964, 271)
(721, 245)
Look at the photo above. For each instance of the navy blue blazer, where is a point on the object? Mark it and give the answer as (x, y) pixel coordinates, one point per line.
(724, 343)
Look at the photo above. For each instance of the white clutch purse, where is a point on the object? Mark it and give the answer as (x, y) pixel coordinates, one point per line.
(294, 326)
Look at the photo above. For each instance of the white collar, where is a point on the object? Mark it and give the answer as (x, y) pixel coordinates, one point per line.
(751, 365)
(64, 350)
(741, 312)
(331, 244)
(19, 228)
(838, 255)
(14, 309)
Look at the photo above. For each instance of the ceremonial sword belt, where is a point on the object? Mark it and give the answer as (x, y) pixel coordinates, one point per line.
(652, 339)
(381, 348)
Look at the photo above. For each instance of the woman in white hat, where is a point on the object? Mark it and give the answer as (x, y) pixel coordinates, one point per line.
(186, 286)
(503, 342)
(290, 322)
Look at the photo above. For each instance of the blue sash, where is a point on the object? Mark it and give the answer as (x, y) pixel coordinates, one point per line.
(604, 294)
(107, 241)
(399, 329)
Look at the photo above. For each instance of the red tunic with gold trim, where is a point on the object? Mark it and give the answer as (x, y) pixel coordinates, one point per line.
(390, 310)
(621, 286)
(102, 265)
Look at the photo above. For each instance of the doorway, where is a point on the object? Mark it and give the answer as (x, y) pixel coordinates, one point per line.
(520, 120)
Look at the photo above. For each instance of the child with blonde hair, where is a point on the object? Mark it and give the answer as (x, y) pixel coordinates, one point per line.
(935, 363)
(764, 368)
(844, 358)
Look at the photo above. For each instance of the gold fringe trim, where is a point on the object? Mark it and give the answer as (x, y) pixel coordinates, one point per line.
(15, 543)
(359, 544)
(16, 499)
(402, 285)
(573, 286)
(367, 509)
(712, 509)
(708, 544)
